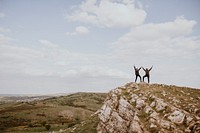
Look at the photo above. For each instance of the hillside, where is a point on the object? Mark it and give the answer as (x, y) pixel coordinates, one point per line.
(59, 112)
(150, 108)
(145, 108)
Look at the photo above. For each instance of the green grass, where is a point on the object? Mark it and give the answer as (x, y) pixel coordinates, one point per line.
(89, 126)
(17, 117)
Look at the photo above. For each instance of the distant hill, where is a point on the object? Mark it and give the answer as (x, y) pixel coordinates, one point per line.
(61, 112)
(4, 98)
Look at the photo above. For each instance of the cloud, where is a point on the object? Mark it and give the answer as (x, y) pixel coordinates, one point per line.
(4, 39)
(49, 59)
(48, 44)
(164, 45)
(169, 46)
(108, 13)
(96, 71)
(80, 30)
(2, 15)
(170, 39)
(4, 30)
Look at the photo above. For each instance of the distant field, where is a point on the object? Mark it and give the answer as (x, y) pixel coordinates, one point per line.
(59, 112)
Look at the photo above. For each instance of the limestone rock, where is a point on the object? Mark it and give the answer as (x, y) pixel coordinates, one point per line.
(125, 109)
(177, 117)
(135, 108)
(135, 127)
(148, 110)
(105, 113)
(134, 97)
(140, 103)
(160, 105)
(153, 104)
(165, 124)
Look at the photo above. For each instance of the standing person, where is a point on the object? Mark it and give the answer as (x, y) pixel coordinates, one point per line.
(137, 74)
(147, 73)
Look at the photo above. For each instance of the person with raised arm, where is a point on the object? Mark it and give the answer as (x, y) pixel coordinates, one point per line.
(137, 73)
(147, 73)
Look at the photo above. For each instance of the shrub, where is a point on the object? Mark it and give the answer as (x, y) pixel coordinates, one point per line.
(1, 128)
(47, 126)
(77, 118)
(30, 125)
(43, 123)
(154, 130)
(71, 124)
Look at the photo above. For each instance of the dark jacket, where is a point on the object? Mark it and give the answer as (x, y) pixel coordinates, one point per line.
(137, 70)
(147, 71)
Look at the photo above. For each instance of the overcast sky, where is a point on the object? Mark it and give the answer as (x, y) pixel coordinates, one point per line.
(62, 46)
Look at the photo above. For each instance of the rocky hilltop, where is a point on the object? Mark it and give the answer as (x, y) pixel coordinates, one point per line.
(150, 108)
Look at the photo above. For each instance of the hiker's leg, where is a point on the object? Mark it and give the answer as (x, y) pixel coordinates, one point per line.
(136, 79)
(143, 77)
(148, 78)
(140, 78)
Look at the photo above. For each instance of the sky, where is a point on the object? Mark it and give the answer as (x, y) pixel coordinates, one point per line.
(65, 46)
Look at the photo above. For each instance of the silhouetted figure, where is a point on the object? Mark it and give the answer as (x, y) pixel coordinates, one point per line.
(137, 74)
(147, 71)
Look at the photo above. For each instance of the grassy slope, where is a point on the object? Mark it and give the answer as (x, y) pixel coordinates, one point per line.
(188, 98)
(181, 97)
(60, 112)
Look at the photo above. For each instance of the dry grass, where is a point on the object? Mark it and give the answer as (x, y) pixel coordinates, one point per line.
(60, 112)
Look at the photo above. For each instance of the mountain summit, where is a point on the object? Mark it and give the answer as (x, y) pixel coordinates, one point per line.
(150, 108)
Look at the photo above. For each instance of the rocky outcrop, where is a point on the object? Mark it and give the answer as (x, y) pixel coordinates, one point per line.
(146, 108)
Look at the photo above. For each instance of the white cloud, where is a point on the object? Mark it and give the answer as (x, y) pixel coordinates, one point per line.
(49, 44)
(80, 30)
(4, 30)
(95, 71)
(2, 15)
(4, 39)
(170, 47)
(108, 13)
(170, 39)
(179, 27)
(52, 60)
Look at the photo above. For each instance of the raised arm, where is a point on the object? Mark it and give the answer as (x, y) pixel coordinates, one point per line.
(139, 68)
(143, 68)
(134, 67)
(150, 68)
